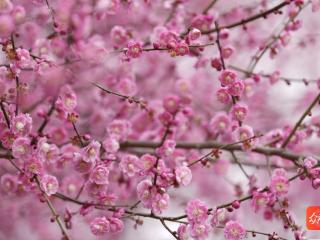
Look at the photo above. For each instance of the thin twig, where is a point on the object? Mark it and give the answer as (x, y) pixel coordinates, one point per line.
(222, 147)
(249, 19)
(17, 96)
(212, 144)
(46, 119)
(52, 209)
(264, 75)
(169, 230)
(6, 117)
(210, 5)
(306, 113)
(78, 135)
(236, 160)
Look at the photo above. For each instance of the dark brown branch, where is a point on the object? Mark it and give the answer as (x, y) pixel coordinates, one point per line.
(6, 117)
(78, 135)
(236, 160)
(212, 144)
(46, 120)
(285, 79)
(169, 230)
(210, 5)
(250, 19)
(17, 96)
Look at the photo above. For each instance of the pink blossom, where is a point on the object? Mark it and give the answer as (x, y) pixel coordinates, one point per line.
(223, 96)
(218, 216)
(24, 58)
(197, 211)
(100, 226)
(239, 112)
(202, 22)
(220, 123)
(119, 35)
(146, 162)
(167, 148)
(274, 77)
(183, 175)
(116, 225)
(309, 162)
(6, 25)
(134, 49)
(6, 6)
(83, 164)
(171, 104)
(194, 34)
(245, 134)
(21, 125)
(227, 77)
(49, 184)
(315, 5)
(127, 86)
(129, 164)
(48, 152)
(33, 166)
(111, 145)
(227, 52)
(216, 63)
(236, 89)
(19, 14)
(99, 175)
(279, 182)
(182, 232)
(8, 183)
(160, 202)
(21, 147)
(119, 129)
(71, 185)
(67, 100)
(199, 231)
(259, 199)
(181, 49)
(234, 231)
(144, 191)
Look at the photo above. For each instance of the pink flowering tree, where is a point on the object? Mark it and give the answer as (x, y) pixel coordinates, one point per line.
(158, 119)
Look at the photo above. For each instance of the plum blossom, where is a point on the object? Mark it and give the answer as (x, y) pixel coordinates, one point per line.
(160, 202)
(234, 231)
(220, 123)
(239, 112)
(227, 77)
(100, 226)
(119, 129)
(99, 175)
(223, 95)
(21, 147)
(129, 164)
(134, 49)
(197, 211)
(49, 184)
(199, 231)
(21, 125)
(183, 175)
(146, 162)
(67, 100)
(279, 184)
(145, 192)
